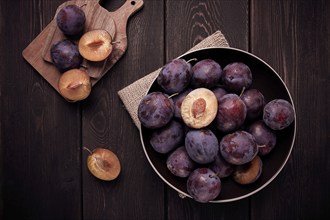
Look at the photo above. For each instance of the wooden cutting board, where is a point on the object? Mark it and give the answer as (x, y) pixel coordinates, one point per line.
(37, 53)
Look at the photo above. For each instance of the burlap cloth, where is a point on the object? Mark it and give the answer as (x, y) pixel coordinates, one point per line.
(133, 93)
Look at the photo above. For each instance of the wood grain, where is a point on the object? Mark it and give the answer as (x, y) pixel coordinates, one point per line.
(40, 136)
(138, 193)
(43, 173)
(293, 37)
(202, 18)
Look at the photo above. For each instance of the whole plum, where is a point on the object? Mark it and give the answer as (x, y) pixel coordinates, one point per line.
(167, 138)
(264, 137)
(221, 167)
(219, 92)
(155, 110)
(178, 102)
(236, 76)
(71, 20)
(175, 76)
(206, 73)
(179, 163)
(278, 114)
(203, 185)
(238, 148)
(202, 145)
(231, 113)
(65, 55)
(254, 102)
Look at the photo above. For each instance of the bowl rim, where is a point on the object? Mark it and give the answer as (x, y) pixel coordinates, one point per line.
(184, 194)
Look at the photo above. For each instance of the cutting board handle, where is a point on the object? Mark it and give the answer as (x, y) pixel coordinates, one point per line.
(128, 9)
(121, 16)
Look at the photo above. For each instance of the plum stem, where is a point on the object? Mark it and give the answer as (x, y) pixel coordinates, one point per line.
(243, 90)
(85, 148)
(74, 85)
(193, 59)
(174, 94)
(115, 42)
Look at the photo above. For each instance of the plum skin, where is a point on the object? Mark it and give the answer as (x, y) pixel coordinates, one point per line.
(178, 99)
(231, 113)
(71, 20)
(175, 76)
(238, 148)
(264, 136)
(65, 55)
(167, 138)
(206, 73)
(155, 110)
(236, 76)
(254, 101)
(202, 145)
(179, 163)
(221, 167)
(278, 114)
(203, 185)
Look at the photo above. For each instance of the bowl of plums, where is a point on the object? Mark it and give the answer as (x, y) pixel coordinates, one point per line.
(217, 124)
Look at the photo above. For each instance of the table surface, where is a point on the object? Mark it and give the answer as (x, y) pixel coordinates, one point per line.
(43, 169)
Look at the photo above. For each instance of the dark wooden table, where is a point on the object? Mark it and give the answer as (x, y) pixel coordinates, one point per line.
(43, 166)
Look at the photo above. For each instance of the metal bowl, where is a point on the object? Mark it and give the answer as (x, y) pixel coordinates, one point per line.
(271, 86)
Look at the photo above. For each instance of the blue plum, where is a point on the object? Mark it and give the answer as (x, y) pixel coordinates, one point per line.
(238, 148)
(202, 145)
(155, 110)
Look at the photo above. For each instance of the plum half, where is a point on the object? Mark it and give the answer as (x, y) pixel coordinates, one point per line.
(199, 108)
(95, 45)
(248, 173)
(75, 85)
(103, 164)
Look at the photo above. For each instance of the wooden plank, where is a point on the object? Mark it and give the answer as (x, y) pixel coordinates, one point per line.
(293, 37)
(187, 23)
(40, 131)
(138, 193)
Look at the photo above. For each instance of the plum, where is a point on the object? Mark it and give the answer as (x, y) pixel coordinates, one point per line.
(206, 73)
(219, 92)
(95, 45)
(202, 145)
(179, 163)
(103, 163)
(238, 148)
(199, 108)
(178, 99)
(254, 102)
(231, 113)
(155, 110)
(236, 76)
(175, 76)
(167, 138)
(75, 85)
(249, 172)
(278, 114)
(203, 185)
(65, 55)
(71, 20)
(264, 137)
(221, 167)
